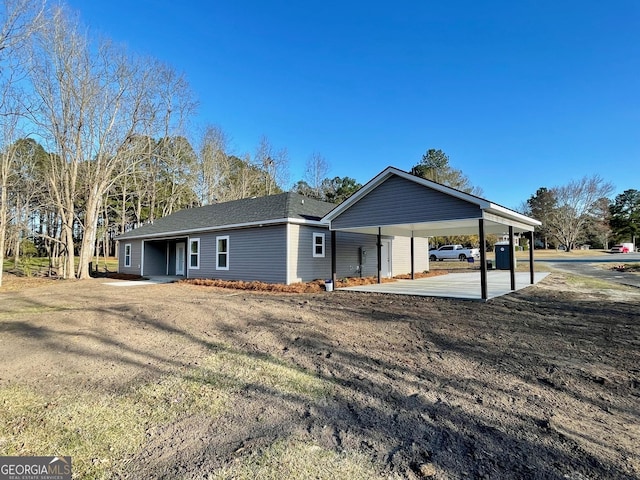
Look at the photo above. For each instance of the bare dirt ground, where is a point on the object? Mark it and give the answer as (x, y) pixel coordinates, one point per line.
(541, 384)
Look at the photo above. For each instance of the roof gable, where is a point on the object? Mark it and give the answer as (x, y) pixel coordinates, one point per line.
(397, 200)
(457, 213)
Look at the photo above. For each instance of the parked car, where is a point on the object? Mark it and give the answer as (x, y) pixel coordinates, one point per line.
(620, 249)
(453, 252)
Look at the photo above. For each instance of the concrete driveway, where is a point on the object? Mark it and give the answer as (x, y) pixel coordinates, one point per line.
(454, 285)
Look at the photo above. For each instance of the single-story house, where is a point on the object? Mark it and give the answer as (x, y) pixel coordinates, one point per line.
(276, 239)
(383, 229)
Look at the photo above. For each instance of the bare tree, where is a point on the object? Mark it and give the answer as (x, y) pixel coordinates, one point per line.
(214, 166)
(316, 170)
(7, 169)
(245, 179)
(574, 204)
(177, 158)
(93, 101)
(274, 165)
(19, 19)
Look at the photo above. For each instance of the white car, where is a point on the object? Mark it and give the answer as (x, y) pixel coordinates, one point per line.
(453, 252)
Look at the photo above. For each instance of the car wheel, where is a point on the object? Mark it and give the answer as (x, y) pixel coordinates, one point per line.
(433, 258)
(462, 257)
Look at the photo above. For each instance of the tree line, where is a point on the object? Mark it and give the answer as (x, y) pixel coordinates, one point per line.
(95, 141)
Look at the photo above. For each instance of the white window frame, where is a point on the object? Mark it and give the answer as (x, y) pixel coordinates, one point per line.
(127, 255)
(218, 253)
(321, 244)
(197, 254)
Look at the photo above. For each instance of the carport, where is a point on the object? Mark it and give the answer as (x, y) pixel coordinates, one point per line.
(396, 203)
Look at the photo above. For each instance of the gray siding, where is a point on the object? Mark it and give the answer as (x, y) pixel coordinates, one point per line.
(398, 200)
(260, 254)
(303, 267)
(136, 257)
(254, 254)
(348, 255)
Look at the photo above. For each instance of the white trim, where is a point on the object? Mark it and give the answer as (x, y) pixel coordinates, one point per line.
(287, 253)
(189, 266)
(142, 259)
(233, 226)
(508, 221)
(323, 245)
(218, 238)
(127, 264)
(515, 216)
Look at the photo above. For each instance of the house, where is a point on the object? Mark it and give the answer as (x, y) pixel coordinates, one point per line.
(383, 229)
(276, 239)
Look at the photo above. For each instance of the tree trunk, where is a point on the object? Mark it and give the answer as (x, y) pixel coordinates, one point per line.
(3, 223)
(67, 236)
(89, 234)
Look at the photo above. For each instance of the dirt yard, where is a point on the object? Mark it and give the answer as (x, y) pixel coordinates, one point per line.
(203, 382)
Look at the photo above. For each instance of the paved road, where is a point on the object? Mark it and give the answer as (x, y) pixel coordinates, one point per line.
(592, 266)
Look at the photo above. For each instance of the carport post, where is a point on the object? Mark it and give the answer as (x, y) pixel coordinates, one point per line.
(334, 276)
(512, 259)
(483, 260)
(531, 274)
(413, 247)
(379, 249)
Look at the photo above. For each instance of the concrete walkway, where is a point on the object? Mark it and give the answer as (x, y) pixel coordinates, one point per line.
(454, 285)
(155, 280)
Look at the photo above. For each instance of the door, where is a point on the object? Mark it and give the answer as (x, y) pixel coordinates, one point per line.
(180, 249)
(385, 259)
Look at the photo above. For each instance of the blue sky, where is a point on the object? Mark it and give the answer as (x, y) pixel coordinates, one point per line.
(519, 94)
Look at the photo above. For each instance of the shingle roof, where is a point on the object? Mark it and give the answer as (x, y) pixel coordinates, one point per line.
(236, 213)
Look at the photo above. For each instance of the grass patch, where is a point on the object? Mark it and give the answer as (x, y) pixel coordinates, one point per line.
(94, 431)
(31, 310)
(585, 282)
(291, 460)
(238, 371)
(99, 431)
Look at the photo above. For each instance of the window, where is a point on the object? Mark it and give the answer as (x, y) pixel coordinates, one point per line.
(318, 245)
(127, 255)
(194, 253)
(222, 253)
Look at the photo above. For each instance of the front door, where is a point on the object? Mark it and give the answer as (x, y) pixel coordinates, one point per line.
(180, 248)
(385, 259)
